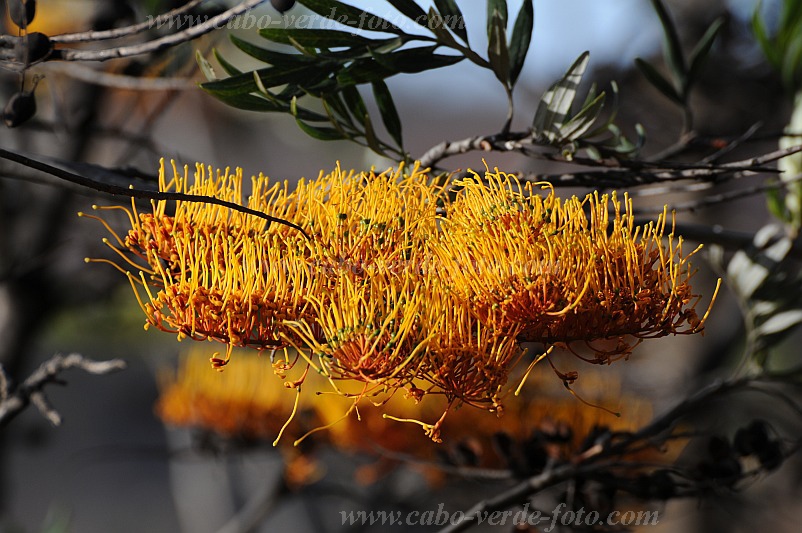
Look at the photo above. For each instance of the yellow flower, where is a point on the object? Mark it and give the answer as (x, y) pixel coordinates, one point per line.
(562, 271)
(211, 272)
(405, 283)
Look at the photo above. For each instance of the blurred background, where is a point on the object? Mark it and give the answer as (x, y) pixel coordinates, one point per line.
(113, 465)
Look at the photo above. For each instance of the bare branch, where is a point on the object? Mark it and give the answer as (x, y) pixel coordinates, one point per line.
(161, 43)
(116, 33)
(714, 199)
(31, 390)
(501, 142)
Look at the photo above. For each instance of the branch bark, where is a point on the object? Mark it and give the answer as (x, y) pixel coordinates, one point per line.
(172, 39)
(13, 402)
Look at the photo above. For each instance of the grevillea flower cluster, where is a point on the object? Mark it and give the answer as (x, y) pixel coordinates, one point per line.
(404, 282)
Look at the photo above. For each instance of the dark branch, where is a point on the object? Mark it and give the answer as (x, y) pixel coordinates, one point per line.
(139, 193)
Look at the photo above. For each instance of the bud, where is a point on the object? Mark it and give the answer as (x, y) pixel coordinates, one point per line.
(282, 5)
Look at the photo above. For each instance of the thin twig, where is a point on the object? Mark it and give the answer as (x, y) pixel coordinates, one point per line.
(116, 33)
(518, 494)
(608, 455)
(715, 199)
(161, 43)
(140, 193)
(31, 390)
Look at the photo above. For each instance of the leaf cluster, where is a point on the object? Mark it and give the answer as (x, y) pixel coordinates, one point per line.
(683, 72)
(317, 82)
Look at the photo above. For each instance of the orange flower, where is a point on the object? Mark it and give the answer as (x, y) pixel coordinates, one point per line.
(401, 287)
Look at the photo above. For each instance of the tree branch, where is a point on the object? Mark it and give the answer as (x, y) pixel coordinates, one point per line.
(116, 33)
(139, 193)
(12, 402)
(214, 23)
(609, 455)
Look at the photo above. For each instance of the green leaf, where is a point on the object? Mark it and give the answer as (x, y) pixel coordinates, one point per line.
(658, 81)
(497, 52)
(414, 60)
(761, 34)
(388, 111)
(271, 77)
(370, 136)
(333, 101)
(701, 50)
(319, 133)
(276, 59)
(780, 323)
(230, 69)
(252, 102)
(381, 66)
(205, 66)
(351, 16)
(521, 39)
(412, 10)
(452, 17)
(363, 71)
(582, 121)
(355, 103)
(496, 6)
(318, 38)
(555, 105)
(438, 26)
(791, 67)
(673, 49)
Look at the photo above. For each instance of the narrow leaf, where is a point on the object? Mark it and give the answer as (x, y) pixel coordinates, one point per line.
(413, 60)
(780, 323)
(521, 39)
(319, 133)
(658, 81)
(761, 34)
(355, 103)
(411, 9)
(701, 50)
(317, 38)
(271, 57)
(334, 102)
(351, 16)
(370, 136)
(555, 104)
(363, 71)
(497, 52)
(388, 111)
(496, 6)
(582, 121)
(205, 66)
(270, 77)
(230, 69)
(452, 18)
(438, 26)
(673, 48)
